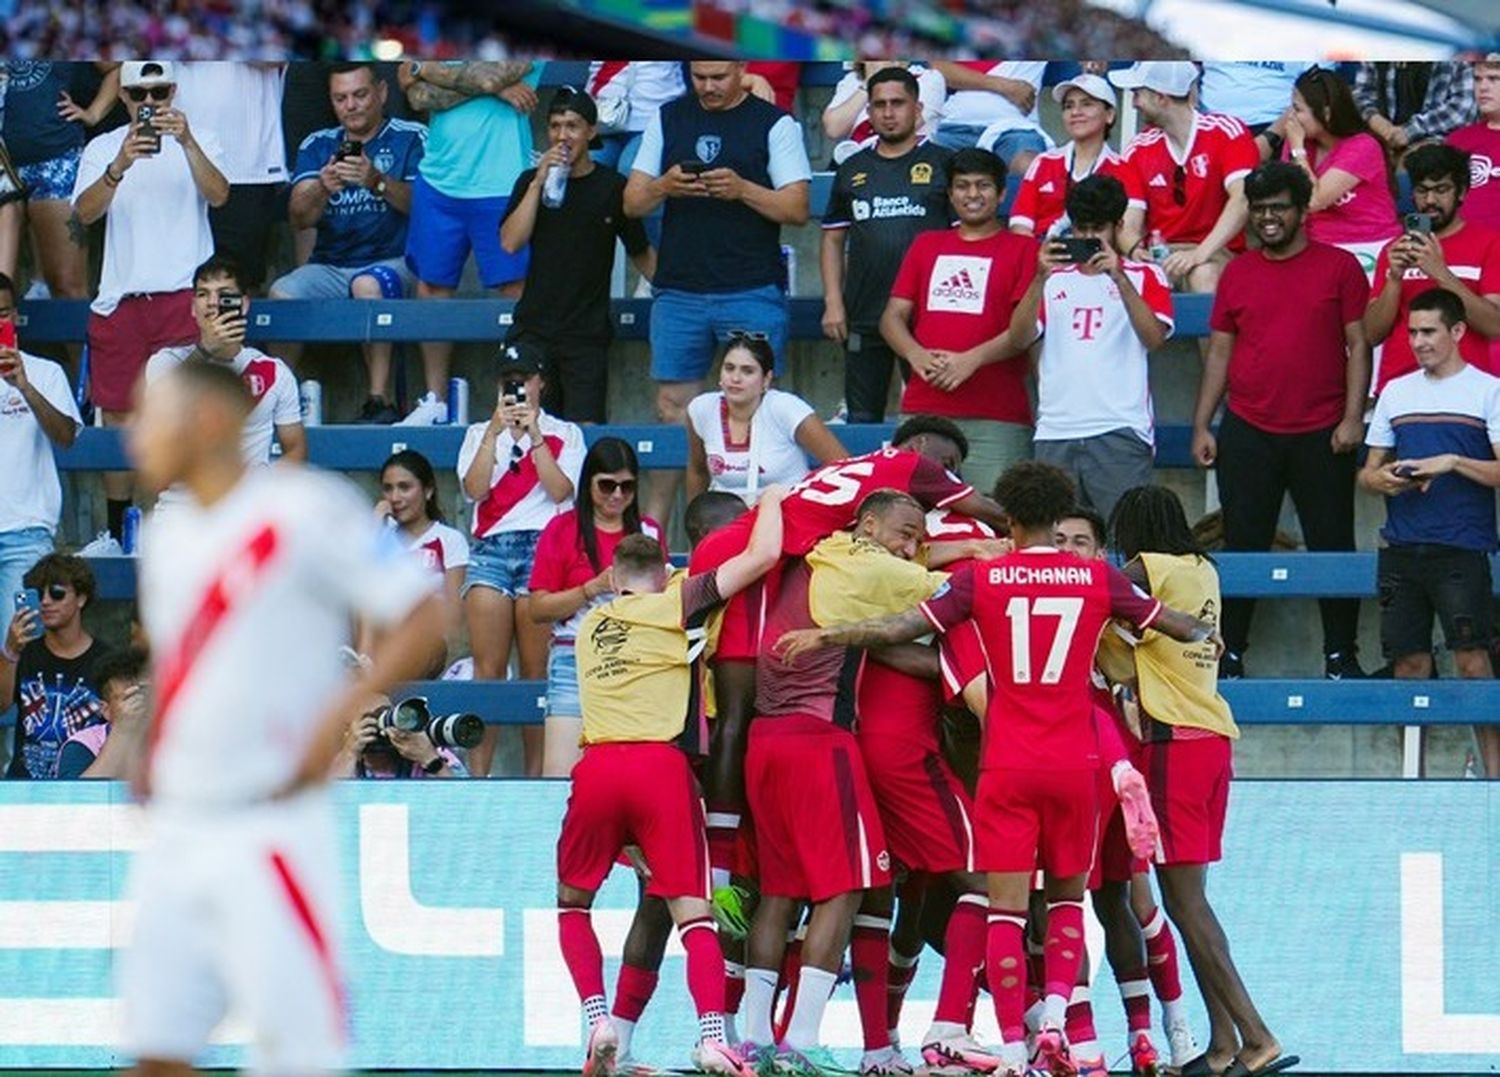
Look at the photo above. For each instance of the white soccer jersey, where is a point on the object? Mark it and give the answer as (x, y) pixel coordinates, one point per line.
(270, 381)
(247, 603)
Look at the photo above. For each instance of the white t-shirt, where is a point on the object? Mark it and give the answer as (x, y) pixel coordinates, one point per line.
(30, 493)
(241, 104)
(247, 603)
(932, 90)
(788, 162)
(772, 446)
(517, 501)
(156, 229)
(438, 549)
(996, 112)
(649, 84)
(1092, 375)
(269, 380)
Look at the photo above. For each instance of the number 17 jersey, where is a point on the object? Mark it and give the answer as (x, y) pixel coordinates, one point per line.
(1040, 612)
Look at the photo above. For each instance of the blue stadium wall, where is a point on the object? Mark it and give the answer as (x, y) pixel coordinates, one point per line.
(1362, 915)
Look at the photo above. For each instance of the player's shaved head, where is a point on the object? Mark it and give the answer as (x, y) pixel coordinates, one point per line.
(710, 511)
(894, 519)
(1035, 495)
(192, 416)
(639, 565)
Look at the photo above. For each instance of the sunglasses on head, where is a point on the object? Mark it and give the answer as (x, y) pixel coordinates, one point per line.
(745, 334)
(57, 592)
(609, 487)
(155, 93)
(1179, 186)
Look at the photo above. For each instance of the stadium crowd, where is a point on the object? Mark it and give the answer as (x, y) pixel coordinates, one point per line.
(1016, 285)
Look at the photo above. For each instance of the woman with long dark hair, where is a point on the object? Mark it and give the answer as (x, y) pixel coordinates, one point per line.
(571, 575)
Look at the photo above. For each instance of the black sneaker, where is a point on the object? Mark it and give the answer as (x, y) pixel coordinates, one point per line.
(1343, 666)
(1231, 666)
(377, 412)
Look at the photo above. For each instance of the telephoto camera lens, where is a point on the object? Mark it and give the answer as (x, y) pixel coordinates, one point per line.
(456, 730)
(410, 715)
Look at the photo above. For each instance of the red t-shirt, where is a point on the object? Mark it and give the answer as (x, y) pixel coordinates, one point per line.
(1220, 152)
(964, 292)
(1473, 256)
(1286, 373)
(1482, 143)
(1042, 196)
(1040, 611)
(783, 75)
(561, 563)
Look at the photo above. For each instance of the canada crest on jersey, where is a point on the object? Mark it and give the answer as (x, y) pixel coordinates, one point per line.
(921, 172)
(708, 147)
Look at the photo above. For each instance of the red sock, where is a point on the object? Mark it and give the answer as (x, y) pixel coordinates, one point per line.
(633, 990)
(869, 947)
(1135, 992)
(1161, 957)
(723, 829)
(963, 952)
(981, 984)
(899, 974)
(1079, 1025)
(791, 973)
(705, 964)
(734, 987)
(580, 951)
(1065, 947)
(1005, 961)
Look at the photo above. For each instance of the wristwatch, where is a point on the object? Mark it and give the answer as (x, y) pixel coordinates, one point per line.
(380, 186)
(435, 764)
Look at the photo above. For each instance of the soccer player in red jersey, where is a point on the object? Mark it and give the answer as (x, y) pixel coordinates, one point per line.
(1040, 611)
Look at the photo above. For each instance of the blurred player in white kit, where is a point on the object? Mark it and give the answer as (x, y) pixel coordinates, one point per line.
(247, 592)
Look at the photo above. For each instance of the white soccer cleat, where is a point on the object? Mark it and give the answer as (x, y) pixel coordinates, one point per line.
(958, 1055)
(604, 1045)
(715, 1056)
(886, 1062)
(430, 411)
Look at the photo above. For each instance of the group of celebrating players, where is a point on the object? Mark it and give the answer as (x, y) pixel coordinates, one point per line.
(784, 717)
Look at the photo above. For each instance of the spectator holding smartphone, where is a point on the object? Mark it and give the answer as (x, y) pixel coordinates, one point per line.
(153, 182)
(108, 749)
(47, 666)
(220, 309)
(520, 469)
(36, 412)
(1438, 248)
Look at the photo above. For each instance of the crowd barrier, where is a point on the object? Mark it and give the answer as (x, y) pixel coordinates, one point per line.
(1340, 899)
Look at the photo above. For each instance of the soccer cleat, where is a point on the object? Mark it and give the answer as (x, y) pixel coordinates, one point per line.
(733, 906)
(1144, 1061)
(625, 1066)
(1180, 1042)
(811, 1062)
(715, 1056)
(430, 411)
(886, 1062)
(1141, 830)
(1092, 1067)
(103, 545)
(758, 1059)
(604, 1043)
(1052, 1054)
(958, 1055)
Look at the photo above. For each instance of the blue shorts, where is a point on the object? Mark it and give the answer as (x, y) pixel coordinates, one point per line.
(687, 327)
(562, 682)
(444, 230)
(503, 563)
(52, 179)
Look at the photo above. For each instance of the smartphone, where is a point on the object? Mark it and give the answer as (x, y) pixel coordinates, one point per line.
(694, 168)
(1081, 249)
(514, 389)
(231, 303)
(144, 117)
(1404, 471)
(7, 334)
(1418, 223)
(350, 147)
(30, 599)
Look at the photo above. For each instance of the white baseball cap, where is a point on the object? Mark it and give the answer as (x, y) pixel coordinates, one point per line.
(147, 73)
(1092, 85)
(1174, 78)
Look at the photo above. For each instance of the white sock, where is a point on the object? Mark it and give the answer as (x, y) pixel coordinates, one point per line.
(1034, 1015)
(626, 1029)
(944, 1030)
(595, 1010)
(731, 1034)
(1173, 1012)
(760, 993)
(710, 1028)
(1054, 1011)
(1086, 1050)
(814, 986)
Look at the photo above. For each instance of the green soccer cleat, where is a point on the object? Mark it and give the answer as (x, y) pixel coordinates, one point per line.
(733, 906)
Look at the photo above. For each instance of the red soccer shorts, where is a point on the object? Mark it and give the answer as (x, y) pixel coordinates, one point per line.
(924, 808)
(962, 656)
(1189, 780)
(1029, 819)
(635, 794)
(817, 830)
(120, 344)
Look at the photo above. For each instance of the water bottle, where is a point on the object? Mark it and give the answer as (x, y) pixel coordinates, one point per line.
(1160, 249)
(458, 401)
(130, 531)
(555, 186)
(1471, 770)
(789, 265)
(311, 395)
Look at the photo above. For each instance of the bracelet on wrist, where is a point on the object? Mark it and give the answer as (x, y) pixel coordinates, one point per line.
(110, 179)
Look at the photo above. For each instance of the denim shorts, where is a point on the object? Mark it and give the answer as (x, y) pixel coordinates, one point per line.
(688, 327)
(562, 682)
(503, 562)
(52, 179)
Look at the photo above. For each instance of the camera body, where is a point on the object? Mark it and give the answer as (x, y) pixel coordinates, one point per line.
(144, 116)
(444, 730)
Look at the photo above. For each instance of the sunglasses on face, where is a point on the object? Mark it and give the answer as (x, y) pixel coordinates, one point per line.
(138, 94)
(57, 592)
(1179, 186)
(610, 487)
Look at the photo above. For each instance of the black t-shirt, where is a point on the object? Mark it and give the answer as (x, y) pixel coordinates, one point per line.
(885, 202)
(572, 254)
(55, 698)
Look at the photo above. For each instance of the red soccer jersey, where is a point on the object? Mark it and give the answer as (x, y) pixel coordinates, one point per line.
(890, 704)
(1184, 198)
(1473, 255)
(963, 292)
(1040, 611)
(1043, 193)
(1482, 143)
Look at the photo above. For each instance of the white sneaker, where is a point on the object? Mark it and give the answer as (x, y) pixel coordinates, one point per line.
(104, 545)
(604, 1043)
(1181, 1043)
(840, 415)
(430, 411)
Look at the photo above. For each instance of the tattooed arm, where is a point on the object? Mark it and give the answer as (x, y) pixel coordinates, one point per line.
(475, 78)
(424, 96)
(872, 632)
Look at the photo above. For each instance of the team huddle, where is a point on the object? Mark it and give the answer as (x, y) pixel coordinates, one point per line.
(773, 739)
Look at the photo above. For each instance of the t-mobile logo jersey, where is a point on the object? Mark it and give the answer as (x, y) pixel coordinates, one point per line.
(1086, 322)
(957, 284)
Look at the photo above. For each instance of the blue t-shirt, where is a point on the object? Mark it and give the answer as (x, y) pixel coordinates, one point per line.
(358, 227)
(1418, 415)
(33, 129)
(478, 148)
(1253, 91)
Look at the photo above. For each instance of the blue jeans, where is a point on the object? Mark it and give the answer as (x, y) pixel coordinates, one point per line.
(687, 327)
(618, 152)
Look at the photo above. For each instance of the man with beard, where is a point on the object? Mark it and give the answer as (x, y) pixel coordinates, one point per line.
(1296, 375)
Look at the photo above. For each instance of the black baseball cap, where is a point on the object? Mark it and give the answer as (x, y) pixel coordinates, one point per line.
(521, 357)
(570, 99)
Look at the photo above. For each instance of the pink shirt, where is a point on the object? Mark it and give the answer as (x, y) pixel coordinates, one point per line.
(1366, 213)
(1482, 143)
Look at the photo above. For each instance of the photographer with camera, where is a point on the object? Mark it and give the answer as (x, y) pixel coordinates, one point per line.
(1437, 249)
(153, 181)
(1098, 315)
(376, 747)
